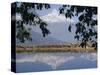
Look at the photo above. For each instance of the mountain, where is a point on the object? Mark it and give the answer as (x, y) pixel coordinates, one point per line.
(37, 38)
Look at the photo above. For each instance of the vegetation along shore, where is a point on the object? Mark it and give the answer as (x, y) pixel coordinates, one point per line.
(54, 48)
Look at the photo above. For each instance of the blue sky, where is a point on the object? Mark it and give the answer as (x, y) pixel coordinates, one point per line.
(46, 11)
(57, 24)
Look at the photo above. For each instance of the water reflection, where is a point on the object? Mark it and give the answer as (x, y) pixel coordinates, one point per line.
(59, 60)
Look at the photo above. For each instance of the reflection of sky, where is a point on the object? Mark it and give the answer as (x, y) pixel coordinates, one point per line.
(57, 59)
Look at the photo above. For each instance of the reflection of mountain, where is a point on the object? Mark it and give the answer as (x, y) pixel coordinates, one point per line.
(72, 60)
(37, 38)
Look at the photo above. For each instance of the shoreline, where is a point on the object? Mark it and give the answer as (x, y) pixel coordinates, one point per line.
(53, 48)
(56, 51)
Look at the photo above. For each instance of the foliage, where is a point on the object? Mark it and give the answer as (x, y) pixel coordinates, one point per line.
(86, 25)
(28, 14)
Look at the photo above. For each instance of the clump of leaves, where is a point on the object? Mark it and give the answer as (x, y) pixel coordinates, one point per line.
(29, 17)
(85, 27)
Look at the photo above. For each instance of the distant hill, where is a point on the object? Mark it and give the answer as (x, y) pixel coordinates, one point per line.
(37, 38)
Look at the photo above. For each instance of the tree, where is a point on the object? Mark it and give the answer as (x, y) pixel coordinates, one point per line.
(29, 18)
(86, 25)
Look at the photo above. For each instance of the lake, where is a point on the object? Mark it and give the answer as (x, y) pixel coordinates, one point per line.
(49, 61)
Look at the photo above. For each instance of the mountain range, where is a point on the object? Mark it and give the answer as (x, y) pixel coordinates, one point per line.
(38, 39)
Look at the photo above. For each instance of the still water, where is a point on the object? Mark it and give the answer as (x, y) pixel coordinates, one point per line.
(32, 62)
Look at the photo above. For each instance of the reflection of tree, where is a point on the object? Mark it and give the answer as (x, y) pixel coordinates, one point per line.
(86, 25)
(28, 17)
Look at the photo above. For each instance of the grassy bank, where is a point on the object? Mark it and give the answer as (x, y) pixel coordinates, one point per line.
(53, 48)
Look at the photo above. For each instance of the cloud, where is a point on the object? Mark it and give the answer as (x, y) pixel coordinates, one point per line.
(54, 16)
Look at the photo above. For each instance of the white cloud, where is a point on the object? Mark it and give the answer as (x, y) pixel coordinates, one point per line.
(54, 16)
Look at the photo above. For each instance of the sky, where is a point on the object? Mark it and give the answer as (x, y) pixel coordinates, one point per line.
(57, 24)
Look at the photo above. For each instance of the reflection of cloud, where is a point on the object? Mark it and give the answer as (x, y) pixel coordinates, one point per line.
(52, 60)
(54, 16)
(91, 56)
(55, 60)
